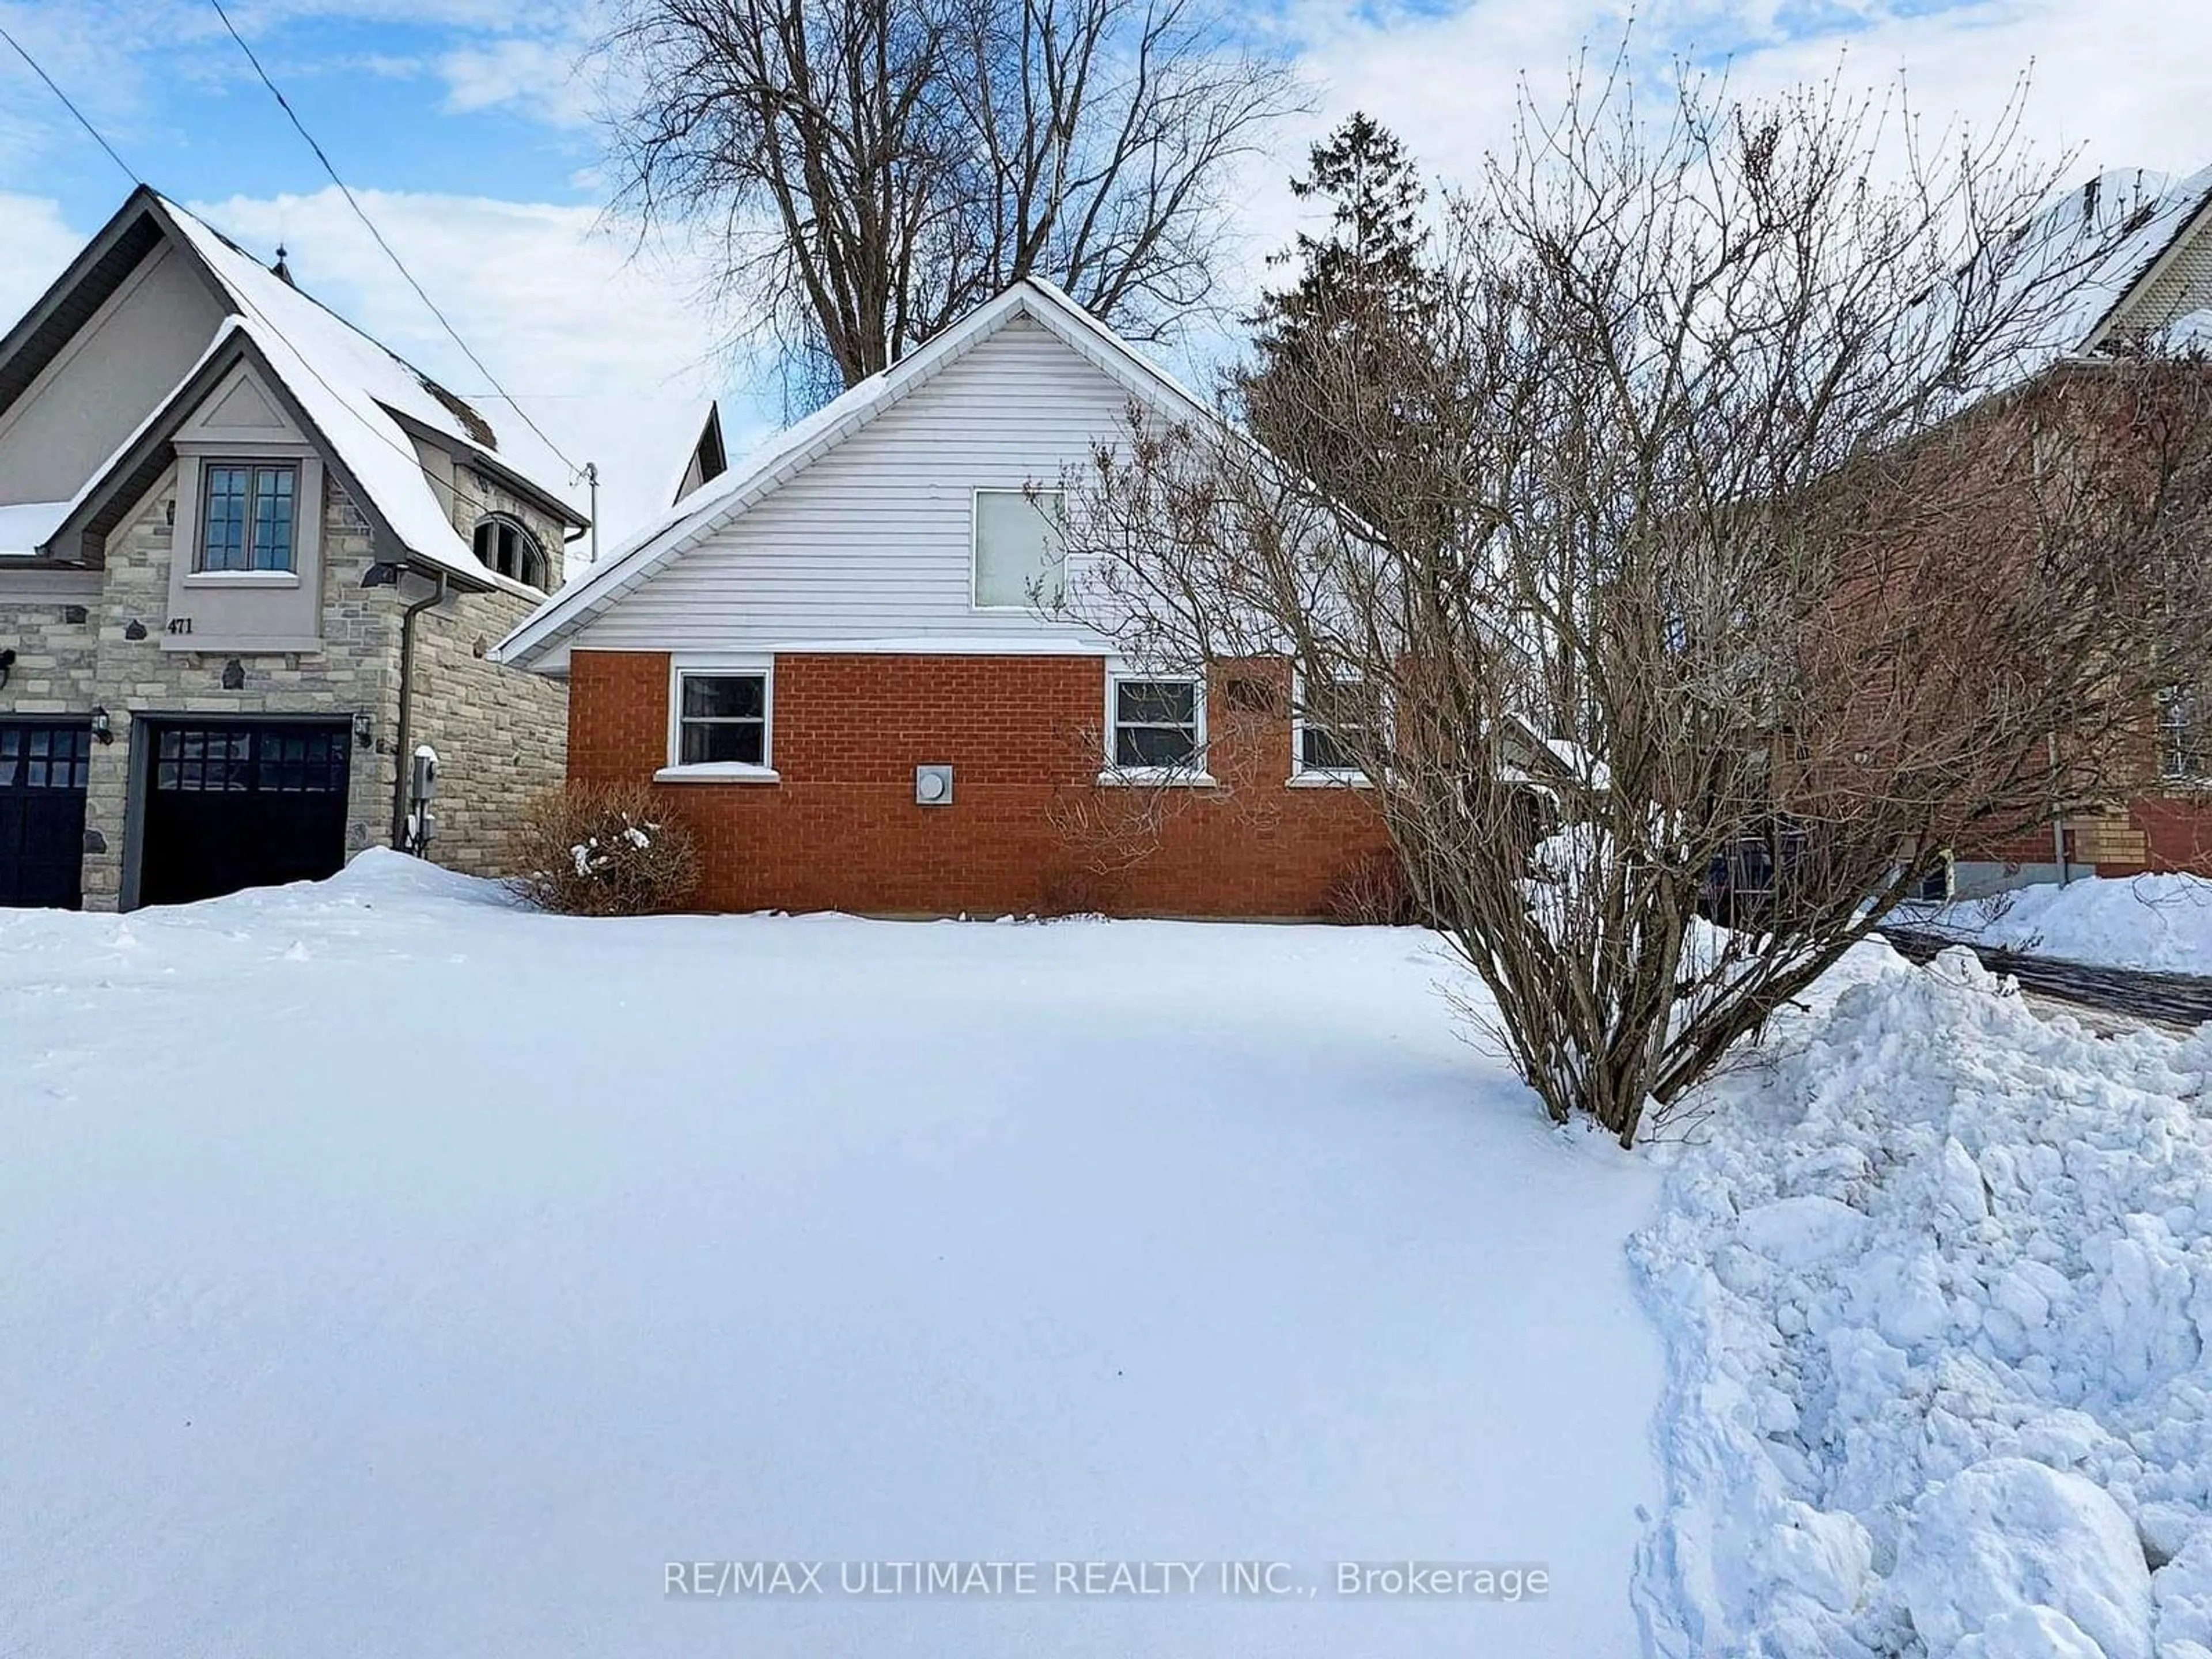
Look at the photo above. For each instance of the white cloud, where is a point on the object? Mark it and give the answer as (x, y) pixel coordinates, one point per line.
(35, 243)
(2122, 80)
(535, 77)
(608, 356)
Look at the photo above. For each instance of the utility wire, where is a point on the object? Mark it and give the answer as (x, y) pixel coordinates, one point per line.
(346, 190)
(81, 119)
(261, 317)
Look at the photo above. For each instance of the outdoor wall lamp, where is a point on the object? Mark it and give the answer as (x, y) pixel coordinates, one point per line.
(382, 574)
(102, 727)
(364, 729)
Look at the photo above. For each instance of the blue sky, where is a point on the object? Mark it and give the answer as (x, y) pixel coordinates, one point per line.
(468, 125)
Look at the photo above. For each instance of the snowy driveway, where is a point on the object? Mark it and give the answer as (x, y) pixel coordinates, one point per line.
(389, 1272)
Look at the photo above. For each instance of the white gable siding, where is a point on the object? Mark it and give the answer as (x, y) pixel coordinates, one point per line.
(127, 358)
(2183, 285)
(872, 541)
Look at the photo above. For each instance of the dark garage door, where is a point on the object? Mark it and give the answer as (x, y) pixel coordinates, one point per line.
(42, 771)
(237, 804)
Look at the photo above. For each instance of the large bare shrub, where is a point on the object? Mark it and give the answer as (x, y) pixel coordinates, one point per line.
(1726, 503)
(588, 849)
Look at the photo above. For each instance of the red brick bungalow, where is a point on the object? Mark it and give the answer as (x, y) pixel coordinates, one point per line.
(833, 664)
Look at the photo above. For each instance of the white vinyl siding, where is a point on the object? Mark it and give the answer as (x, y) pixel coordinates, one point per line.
(876, 539)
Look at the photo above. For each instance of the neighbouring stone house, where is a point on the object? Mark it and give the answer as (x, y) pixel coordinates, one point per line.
(251, 561)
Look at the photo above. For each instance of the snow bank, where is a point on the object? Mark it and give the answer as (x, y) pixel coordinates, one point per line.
(2163, 923)
(1937, 1287)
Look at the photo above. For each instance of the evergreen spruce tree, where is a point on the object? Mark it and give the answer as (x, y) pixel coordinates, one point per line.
(1355, 333)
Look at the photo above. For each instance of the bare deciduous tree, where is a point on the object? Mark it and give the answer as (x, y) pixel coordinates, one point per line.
(1732, 546)
(873, 169)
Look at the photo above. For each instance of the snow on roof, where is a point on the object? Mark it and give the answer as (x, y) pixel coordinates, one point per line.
(371, 380)
(2107, 235)
(379, 454)
(2063, 276)
(723, 497)
(25, 525)
(360, 437)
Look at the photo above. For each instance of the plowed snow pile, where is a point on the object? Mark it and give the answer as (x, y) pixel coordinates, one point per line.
(1937, 1277)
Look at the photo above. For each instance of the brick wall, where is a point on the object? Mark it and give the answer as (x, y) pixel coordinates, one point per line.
(1030, 827)
(2152, 832)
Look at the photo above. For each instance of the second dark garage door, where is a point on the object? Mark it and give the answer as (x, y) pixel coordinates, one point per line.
(233, 803)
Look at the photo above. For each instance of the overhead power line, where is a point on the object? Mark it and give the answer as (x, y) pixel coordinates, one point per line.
(82, 120)
(399, 265)
(306, 360)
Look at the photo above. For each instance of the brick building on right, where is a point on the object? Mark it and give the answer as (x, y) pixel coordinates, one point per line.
(2152, 281)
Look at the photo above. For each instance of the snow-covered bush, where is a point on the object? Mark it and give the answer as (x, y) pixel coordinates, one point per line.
(603, 850)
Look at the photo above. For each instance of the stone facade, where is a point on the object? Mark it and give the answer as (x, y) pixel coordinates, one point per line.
(135, 675)
(101, 638)
(501, 734)
(49, 618)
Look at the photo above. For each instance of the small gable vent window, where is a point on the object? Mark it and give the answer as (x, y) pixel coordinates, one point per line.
(502, 544)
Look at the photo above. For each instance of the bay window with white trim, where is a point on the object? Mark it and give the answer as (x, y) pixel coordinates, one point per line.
(720, 723)
(1155, 728)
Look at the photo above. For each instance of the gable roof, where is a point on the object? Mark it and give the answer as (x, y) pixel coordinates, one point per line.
(722, 499)
(127, 474)
(2076, 275)
(364, 404)
(708, 459)
(2136, 222)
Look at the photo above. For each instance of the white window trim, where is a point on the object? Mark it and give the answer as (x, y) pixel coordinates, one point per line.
(1190, 777)
(719, 771)
(976, 552)
(242, 579)
(1315, 777)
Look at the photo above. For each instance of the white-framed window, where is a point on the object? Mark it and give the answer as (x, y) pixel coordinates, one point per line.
(249, 512)
(504, 543)
(2185, 735)
(1332, 721)
(1018, 560)
(721, 720)
(1155, 727)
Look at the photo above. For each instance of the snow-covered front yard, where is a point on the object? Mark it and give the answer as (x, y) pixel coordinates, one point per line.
(392, 1271)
